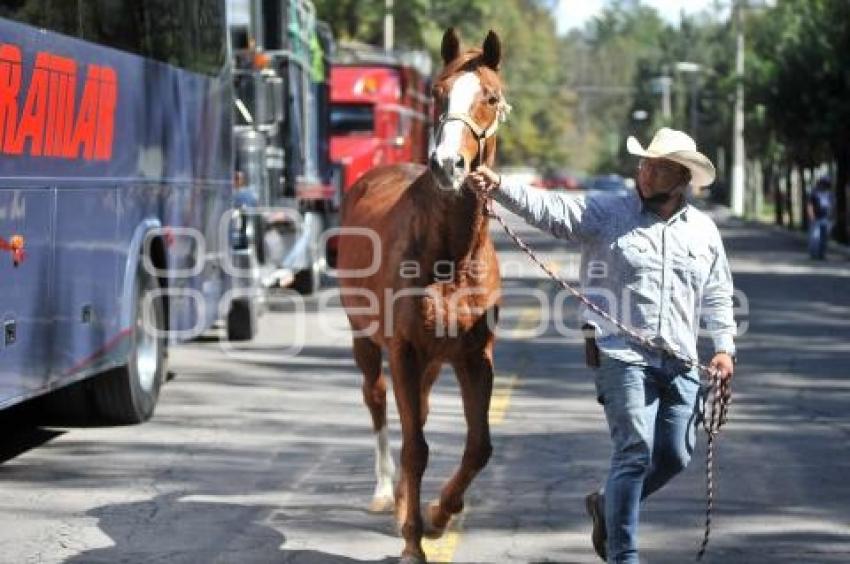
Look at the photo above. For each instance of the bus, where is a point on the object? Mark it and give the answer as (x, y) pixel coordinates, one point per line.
(116, 195)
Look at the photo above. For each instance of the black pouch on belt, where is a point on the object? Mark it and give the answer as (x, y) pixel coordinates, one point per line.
(591, 350)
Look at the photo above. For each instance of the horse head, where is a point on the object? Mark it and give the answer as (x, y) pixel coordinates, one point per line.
(469, 104)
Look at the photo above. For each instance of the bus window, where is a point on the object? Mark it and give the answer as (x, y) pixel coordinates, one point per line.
(352, 119)
(198, 26)
(189, 34)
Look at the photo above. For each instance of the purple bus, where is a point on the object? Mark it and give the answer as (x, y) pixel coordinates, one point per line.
(116, 191)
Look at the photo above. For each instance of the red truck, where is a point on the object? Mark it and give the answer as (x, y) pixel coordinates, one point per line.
(380, 109)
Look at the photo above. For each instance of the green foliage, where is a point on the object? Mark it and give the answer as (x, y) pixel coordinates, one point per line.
(418, 23)
(574, 97)
(798, 87)
(799, 78)
(542, 116)
(607, 69)
(619, 60)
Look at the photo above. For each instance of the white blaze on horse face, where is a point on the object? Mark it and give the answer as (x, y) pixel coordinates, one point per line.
(447, 154)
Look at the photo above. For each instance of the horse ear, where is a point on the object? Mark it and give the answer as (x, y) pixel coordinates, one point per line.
(450, 49)
(492, 50)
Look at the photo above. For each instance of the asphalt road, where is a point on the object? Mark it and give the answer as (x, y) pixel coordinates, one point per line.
(260, 455)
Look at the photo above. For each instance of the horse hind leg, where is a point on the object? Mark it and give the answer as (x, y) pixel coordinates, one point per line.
(368, 357)
(475, 378)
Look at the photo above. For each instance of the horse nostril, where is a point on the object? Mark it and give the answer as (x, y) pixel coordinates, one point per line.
(460, 163)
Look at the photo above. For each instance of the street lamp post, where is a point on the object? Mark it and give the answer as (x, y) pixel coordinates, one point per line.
(661, 85)
(389, 25)
(665, 82)
(738, 150)
(739, 155)
(693, 69)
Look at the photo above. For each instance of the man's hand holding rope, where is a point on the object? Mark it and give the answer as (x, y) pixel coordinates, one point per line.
(724, 367)
(484, 181)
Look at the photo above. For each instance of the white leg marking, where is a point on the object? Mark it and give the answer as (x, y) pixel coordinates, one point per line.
(384, 466)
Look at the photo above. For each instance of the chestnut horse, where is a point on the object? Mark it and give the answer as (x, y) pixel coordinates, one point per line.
(425, 285)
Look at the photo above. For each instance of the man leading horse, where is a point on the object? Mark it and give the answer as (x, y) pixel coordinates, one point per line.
(653, 261)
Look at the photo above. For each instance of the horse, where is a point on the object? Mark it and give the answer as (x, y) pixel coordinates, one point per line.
(419, 277)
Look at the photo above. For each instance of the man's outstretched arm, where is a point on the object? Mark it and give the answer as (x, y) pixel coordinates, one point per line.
(559, 214)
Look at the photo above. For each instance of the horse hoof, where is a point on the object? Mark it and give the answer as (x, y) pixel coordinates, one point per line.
(431, 532)
(412, 559)
(382, 505)
(429, 529)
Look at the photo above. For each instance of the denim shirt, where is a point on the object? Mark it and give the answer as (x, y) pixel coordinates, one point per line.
(659, 277)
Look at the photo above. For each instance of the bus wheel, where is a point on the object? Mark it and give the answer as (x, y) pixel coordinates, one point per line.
(242, 320)
(128, 394)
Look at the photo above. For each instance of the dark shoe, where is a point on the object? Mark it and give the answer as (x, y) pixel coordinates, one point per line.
(595, 505)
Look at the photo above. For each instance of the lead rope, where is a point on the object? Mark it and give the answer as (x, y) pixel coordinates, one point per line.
(722, 392)
(712, 425)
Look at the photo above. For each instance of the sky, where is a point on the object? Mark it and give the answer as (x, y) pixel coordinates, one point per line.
(572, 14)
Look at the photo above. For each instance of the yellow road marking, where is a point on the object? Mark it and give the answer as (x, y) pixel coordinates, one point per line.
(527, 322)
(503, 387)
(443, 548)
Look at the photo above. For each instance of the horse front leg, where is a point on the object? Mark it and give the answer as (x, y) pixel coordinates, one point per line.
(406, 369)
(368, 357)
(475, 377)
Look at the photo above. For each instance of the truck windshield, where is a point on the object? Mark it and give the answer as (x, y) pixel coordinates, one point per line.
(352, 119)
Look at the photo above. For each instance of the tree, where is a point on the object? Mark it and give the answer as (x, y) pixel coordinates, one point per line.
(418, 23)
(801, 54)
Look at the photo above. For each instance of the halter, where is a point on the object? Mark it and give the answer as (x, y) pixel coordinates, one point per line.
(481, 134)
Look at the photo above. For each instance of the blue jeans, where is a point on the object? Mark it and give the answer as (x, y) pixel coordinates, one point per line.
(818, 238)
(652, 414)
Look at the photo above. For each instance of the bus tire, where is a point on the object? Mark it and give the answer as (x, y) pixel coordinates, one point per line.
(258, 238)
(128, 394)
(241, 320)
(308, 281)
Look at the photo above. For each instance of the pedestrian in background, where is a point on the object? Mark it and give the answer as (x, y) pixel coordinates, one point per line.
(819, 209)
(665, 260)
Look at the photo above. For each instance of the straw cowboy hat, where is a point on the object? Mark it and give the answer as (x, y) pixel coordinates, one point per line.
(678, 147)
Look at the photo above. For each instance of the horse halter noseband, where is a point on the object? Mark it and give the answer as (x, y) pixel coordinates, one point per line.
(481, 134)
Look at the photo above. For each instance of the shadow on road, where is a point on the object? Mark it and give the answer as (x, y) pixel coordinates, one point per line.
(171, 529)
(20, 432)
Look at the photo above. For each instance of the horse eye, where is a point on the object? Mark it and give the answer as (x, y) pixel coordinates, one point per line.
(493, 100)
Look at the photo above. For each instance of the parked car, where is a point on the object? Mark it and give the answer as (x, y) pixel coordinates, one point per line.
(559, 180)
(607, 183)
(521, 175)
